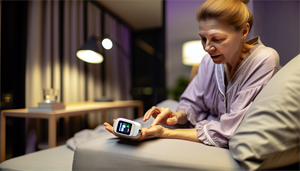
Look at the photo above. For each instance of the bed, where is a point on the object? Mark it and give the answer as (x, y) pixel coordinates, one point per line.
(268, 138)
(59, 158)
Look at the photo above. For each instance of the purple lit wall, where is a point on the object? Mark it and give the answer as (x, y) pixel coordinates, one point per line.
(181, 26)
(277, 22)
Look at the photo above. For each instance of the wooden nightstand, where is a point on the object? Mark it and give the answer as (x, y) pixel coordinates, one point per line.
(71, 109)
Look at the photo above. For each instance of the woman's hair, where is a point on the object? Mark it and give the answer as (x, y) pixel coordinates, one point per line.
(234, 12)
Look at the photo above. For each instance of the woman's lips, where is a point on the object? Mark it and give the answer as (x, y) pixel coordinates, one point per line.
(215, 56)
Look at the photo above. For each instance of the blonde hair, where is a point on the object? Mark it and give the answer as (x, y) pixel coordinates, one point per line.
(234, 12)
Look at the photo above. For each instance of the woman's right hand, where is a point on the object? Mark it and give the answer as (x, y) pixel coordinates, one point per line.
(162, 115)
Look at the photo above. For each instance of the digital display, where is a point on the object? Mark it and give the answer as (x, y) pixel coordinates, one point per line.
(124, 127)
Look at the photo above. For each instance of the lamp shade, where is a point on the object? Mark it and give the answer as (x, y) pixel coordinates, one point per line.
(192, 52)
(89, 52)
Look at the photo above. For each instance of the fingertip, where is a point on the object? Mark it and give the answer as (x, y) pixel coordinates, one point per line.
(147, 118)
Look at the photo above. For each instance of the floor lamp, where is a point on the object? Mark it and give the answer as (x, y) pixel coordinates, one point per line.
(192, 54)
(90, 53)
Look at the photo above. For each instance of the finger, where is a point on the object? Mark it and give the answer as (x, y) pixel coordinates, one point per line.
(164, 114)
(108, 127)
(150, 112)
(106, 124)
(157, 119)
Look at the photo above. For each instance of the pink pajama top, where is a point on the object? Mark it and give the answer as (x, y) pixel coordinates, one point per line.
(216, 110)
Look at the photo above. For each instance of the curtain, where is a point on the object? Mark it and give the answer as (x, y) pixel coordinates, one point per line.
(73, 72)
(56, 30)
(118, 61)
(41, 46)
(94, 70)
(42, 58)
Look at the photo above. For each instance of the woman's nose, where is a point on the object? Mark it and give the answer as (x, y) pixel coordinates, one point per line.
(209, 48)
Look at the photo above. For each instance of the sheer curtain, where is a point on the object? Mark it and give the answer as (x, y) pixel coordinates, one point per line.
(42, 58)
(56, 30)
(118, 66)
(94, 83)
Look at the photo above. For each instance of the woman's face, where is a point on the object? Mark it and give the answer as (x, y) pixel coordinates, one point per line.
(221, 41)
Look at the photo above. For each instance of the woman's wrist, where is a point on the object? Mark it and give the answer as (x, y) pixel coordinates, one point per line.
(183, 134)
(164, 133)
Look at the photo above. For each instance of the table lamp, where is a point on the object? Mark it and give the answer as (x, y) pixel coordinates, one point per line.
(192, 54)
(90, 53)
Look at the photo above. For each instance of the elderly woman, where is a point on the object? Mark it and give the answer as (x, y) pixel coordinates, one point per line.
(228, 80)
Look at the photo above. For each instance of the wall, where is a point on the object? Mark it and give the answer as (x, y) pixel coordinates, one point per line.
(276, 22)
(181, 26)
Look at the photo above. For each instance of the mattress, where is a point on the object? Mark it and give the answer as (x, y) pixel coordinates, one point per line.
(54, 159)
(110, 153)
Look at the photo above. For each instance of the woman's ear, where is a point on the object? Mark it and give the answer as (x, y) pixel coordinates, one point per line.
(245, 31)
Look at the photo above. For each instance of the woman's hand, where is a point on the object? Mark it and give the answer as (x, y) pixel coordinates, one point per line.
(162, 115)
(165, 116)
(152, 132)
(158, 131)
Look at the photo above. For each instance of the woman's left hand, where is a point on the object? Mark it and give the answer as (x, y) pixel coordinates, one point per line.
(152, 132)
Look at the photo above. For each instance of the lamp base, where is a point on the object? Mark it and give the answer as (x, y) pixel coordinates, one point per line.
(103, 99)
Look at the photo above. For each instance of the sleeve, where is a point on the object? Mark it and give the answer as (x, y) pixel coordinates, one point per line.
(218, 133)
(191, 101)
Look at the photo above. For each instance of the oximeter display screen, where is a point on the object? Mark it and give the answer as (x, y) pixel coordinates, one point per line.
(124, 127)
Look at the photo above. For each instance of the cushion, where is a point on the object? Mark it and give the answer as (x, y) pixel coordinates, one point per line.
(268, 136)
(110, 153)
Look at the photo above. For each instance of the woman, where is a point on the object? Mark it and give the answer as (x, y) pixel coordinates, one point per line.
(228, 79)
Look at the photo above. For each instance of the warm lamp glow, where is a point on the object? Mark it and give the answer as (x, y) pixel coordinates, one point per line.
(192, 52)
(89, 56)
(107, 43)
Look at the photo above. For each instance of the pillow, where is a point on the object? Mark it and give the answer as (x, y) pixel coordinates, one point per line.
(268, 136)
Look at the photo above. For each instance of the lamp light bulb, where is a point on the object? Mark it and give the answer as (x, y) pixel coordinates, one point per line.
(107, 43)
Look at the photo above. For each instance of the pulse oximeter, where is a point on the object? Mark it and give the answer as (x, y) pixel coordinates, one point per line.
(127, 128)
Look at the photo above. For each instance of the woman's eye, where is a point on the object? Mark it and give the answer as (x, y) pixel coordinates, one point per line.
(218, 40)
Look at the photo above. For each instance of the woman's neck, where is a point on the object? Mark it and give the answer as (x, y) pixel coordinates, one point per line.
(230, 68)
